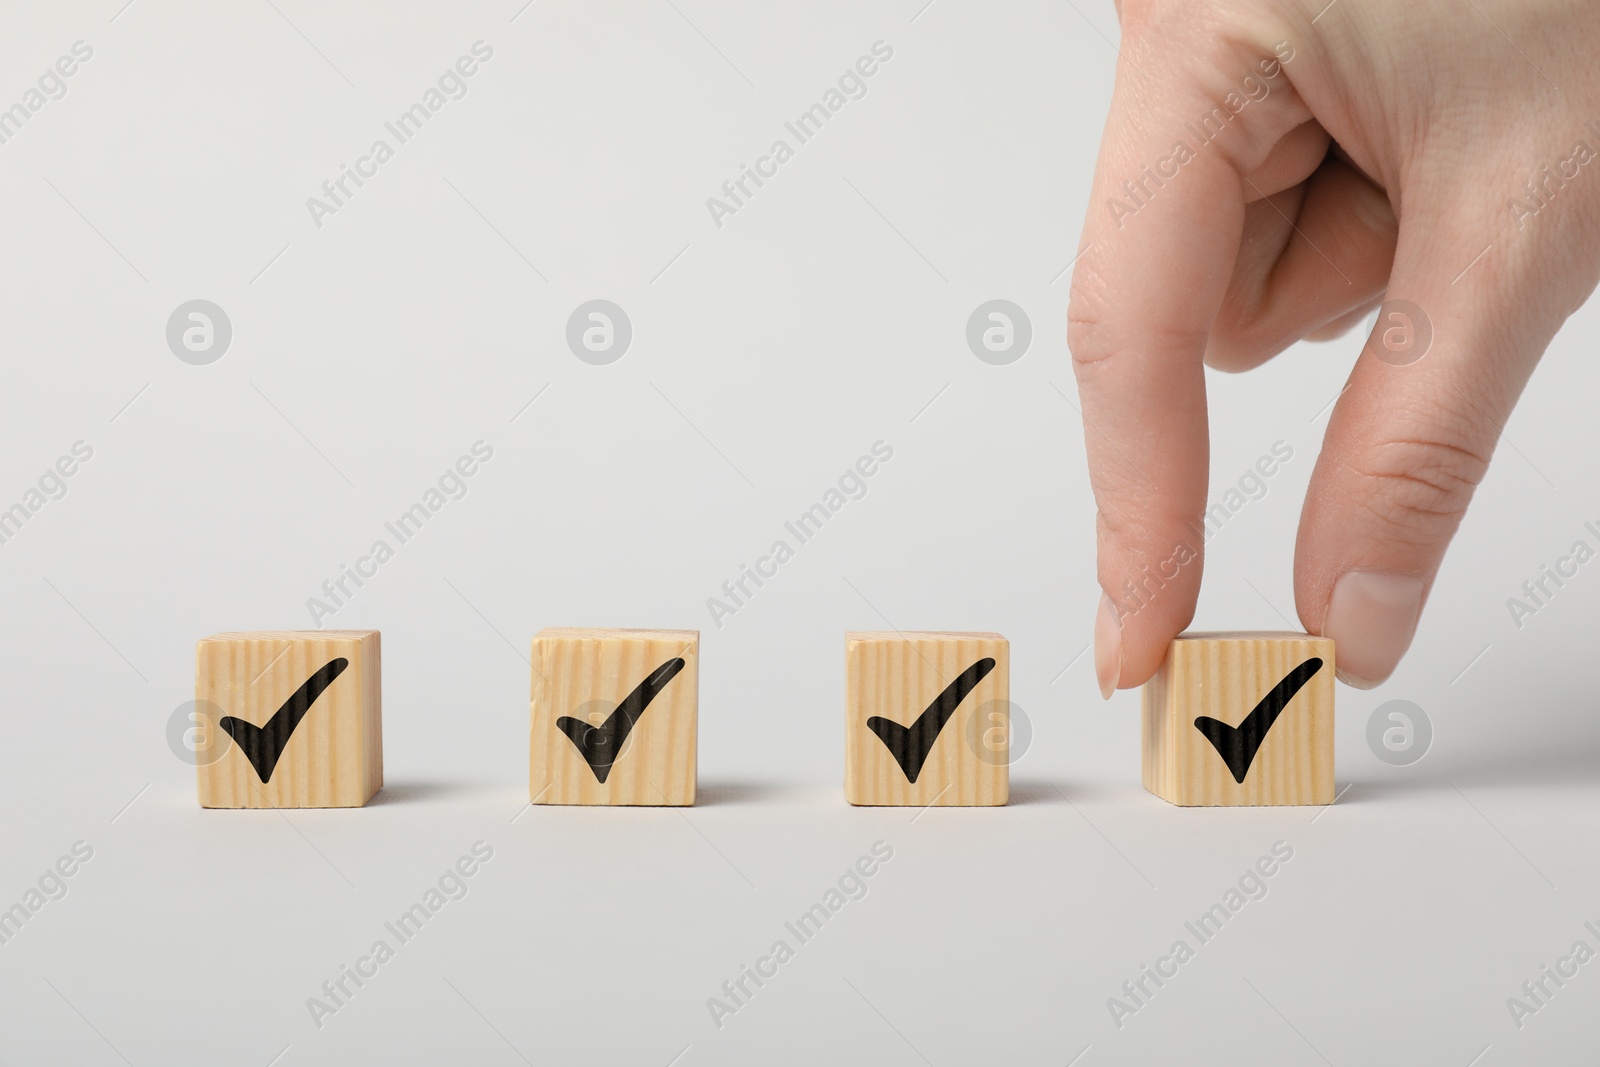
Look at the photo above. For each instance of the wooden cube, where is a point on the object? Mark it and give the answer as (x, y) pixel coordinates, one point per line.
(302, 711)
(614, 716)
(927, 719)
(1241, 718)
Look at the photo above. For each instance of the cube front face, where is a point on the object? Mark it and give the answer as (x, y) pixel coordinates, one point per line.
(1241, 719)
(927, 719)
(614, 717)
(302, 713)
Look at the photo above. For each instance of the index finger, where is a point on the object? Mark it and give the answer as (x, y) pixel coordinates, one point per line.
(1159, 244)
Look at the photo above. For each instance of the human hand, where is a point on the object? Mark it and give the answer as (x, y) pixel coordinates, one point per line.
(1463, 181)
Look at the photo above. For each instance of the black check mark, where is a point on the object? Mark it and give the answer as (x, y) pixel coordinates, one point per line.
(910, 745)
(262, 745)
(601, 745)
(1237, 745)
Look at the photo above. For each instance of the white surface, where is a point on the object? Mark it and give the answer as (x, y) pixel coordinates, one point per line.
(789, 340)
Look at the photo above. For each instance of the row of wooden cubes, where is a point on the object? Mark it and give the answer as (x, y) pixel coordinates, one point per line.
(1230, 719)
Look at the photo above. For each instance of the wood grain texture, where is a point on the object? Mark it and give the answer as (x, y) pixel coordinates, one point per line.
(586, 673)
(334, 757)
(897, 676)
(1224, 676)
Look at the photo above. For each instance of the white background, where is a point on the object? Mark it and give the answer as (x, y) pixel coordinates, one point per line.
(768, 354)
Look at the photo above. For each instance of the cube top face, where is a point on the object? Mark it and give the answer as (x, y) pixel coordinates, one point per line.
(614, 717)
(591, 633)
(1241, 718)
(291, 635)
(302, 714)
(927, 718)
(891, 636)
(1245, 635)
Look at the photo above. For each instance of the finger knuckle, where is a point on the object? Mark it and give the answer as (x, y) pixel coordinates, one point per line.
(1101, 328)
(1419, 485)
(1089, 325)
(1089, 342)
(1139, 529)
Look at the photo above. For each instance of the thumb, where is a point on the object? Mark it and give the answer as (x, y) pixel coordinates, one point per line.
(1467, 316)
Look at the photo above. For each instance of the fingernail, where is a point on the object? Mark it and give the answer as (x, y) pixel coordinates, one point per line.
(1371, 618)
(1107, 647)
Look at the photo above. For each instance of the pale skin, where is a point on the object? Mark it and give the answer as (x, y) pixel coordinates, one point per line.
(1381, 160)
